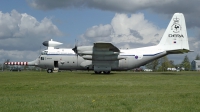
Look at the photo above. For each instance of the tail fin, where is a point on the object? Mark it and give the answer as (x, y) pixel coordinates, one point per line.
(175, 38)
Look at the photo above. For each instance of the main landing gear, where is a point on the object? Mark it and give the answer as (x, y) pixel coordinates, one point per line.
(49, 70)
(99, 72)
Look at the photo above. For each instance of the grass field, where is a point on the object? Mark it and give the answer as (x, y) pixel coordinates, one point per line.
(88, 92)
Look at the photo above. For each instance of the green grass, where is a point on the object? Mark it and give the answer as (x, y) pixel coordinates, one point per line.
(88, 92)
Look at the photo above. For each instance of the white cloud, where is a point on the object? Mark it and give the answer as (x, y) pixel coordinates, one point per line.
(16, 25)
(135, 29)
(20, 33)
(124, 29)
(97, 33)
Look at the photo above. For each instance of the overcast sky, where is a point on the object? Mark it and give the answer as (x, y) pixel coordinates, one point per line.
(25, 24)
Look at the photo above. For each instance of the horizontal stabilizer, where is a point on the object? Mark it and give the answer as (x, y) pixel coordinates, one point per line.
(180, 51)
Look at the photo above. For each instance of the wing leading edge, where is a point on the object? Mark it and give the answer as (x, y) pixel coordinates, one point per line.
(104, 46)
(100, 52)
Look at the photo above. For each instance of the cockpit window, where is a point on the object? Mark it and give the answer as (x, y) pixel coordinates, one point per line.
(44, 52)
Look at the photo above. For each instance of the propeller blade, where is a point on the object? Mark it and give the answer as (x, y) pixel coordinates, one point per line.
(75, 49)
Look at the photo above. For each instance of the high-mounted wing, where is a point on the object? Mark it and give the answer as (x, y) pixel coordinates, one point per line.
(99, 52)
(106, 46)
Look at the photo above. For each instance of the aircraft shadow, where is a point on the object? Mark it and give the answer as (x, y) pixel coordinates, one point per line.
(103, 74)
(170, 73)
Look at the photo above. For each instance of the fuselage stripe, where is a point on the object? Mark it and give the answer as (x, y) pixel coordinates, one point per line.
(143, 54)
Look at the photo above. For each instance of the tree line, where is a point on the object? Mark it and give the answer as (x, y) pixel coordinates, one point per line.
(163, 63)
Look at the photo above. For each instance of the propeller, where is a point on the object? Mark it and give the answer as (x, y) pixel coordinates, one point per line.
(76, 50)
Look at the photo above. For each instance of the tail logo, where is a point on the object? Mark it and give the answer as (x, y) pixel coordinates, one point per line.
(176, 27)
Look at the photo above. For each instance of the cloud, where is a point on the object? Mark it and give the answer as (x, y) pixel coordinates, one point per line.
(130, 31)
(23, 32)
(135, 29)
(190, 8)
(97, 33)
(111, 5)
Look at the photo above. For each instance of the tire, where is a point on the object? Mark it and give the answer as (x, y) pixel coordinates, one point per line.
(49, 70)
(97, 72)
(106, 72)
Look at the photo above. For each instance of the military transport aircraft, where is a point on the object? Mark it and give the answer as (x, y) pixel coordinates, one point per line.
(104, 57)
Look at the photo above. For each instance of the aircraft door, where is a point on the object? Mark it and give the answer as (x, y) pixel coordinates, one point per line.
(55, 64)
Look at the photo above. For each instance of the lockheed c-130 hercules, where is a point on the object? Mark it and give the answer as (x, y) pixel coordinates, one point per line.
(105, 57)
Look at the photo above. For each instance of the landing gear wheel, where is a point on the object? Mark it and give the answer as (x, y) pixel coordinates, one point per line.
(106, 72)
(97, 72)
(49, 70)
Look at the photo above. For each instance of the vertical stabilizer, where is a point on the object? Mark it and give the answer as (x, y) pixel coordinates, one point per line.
(175, 38)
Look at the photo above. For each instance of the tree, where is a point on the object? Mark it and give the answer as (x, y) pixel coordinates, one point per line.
(171, 64)
(164, 63)
(153, 65)
(6, 66)
(197, 57)
(186, 63)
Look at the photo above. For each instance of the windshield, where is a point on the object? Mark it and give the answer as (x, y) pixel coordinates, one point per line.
(44, 52)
